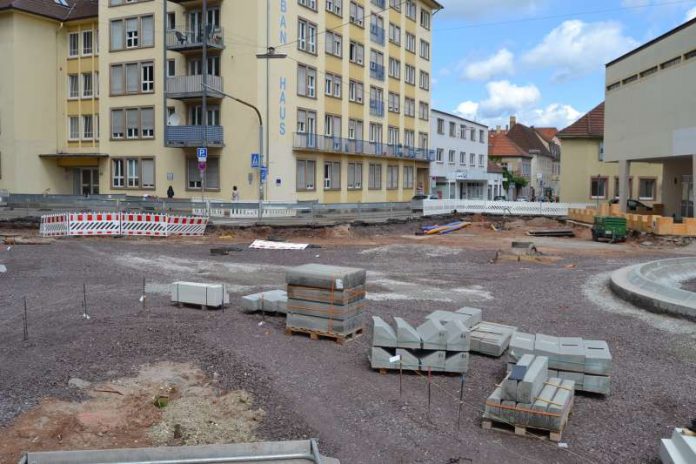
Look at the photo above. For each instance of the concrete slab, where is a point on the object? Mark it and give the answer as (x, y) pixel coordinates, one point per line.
(328, 277)
(490, 338)
(571, 355)
(251, 303)
(382, 333)
(473, 313)
(275, 301)
(447, 316)
(434, 360)
(433, 335)
(532, 383)
(406, 335)
(519, 370)
(509, 388)
(322, 295)
(492, 407)
(458, 336)
(321, 324)
(597, 357)
(311, 308)
(546, 345)
(408, 359)
(596, 384)
(561, 403)
(521, 343)
(196, 293)
(457, 362)
(379, 358)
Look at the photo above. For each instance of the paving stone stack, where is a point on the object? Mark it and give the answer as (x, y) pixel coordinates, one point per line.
(680, 448)
(529, 397)
(437, 345)
(325, 299)
(272, 301)
(586, 362)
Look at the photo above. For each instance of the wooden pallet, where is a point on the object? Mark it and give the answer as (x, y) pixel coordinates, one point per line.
(532, 432)
(316, 334)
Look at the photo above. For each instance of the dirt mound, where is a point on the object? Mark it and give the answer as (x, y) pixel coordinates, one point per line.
(542, 222)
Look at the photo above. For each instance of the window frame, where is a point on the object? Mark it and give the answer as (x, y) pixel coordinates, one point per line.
(392, 176)
(140, 36)
(653, 197)
(372, 176)
(605, 181)
(77, 44)
(305, 162)
(355, 185)
(331, 165)
(83, 34)
(124, 176)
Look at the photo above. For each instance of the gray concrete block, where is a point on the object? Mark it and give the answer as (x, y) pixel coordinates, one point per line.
(323, 276)
(596, 384)
(571, 355)
(684, 444)
(447, 316)
(275, 301)
(382, 333)
(433, 335)
(597, 357)
(490, 338)
(519, 370)
(408, 359)
(203, 294)
(491, 409)
(406, 335)
(521, 343)
(311, 308)
(532, 383)
(473, 313)
(321, 324)
(433, 360)
(323, 295)
(457, 362)
(508, 412)
(251, 303)
(577, 377)
(509, 388)
(458, 336)
(542, 402)
(522, 415)
(546, 345)
(379, 358)
(560, 404)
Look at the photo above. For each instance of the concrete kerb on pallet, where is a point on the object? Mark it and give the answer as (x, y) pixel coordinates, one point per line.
(655, 286)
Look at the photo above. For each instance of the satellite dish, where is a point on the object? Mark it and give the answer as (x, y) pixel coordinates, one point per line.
(173, 120)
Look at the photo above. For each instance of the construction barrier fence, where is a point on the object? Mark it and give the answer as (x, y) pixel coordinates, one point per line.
(129, 224)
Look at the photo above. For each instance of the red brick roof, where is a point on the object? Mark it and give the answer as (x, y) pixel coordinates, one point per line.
(547, 133)
(528, 140)
(76, 9)
(501, 146)
(590, 125)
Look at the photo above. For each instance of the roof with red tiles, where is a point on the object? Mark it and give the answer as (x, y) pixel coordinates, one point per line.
(502, 146)
(591, 125)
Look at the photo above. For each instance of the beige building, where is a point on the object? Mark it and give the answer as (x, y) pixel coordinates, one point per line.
(345, 113)
(587, 178)
(650, 117)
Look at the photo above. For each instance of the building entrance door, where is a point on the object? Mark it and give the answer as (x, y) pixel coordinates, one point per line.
(687, 204)
(89, 181)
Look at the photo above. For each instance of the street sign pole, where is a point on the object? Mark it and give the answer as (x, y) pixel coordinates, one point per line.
(202, 155)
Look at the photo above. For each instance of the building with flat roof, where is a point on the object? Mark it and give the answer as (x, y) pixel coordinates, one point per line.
(649, 115)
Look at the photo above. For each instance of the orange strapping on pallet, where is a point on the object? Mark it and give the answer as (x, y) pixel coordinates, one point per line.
(558, 386)
(530, 411)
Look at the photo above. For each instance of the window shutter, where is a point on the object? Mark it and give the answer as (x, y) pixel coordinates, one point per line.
(148, 172)
(116, 35)
(212, 173)
(132, 78)
(148, 31)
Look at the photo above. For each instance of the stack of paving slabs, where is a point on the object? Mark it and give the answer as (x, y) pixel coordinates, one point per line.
(529, 398)
(433, 346)
(326, 300)
(272, 301)
(586, 362)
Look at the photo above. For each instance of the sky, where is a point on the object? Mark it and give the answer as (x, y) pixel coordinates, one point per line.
(540, 60)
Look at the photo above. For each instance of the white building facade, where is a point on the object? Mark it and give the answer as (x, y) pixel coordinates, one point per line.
(460, 167)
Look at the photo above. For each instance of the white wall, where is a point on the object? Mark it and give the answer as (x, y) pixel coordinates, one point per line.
(447, 143)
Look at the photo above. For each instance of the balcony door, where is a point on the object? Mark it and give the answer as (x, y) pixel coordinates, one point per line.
(86, 181)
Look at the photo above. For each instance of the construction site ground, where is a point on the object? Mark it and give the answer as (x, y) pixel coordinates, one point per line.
(82, 382)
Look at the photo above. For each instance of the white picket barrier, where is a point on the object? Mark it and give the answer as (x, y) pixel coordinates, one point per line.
(94, 224)
(53, 225)
(144, 224)
(186, 225)
(512, 208)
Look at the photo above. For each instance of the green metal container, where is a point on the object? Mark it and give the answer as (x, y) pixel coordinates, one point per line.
(609, 227)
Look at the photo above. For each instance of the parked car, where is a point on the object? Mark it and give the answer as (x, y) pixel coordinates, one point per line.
(500, 198)
(633, 205)
(521, 199)
(417, 201)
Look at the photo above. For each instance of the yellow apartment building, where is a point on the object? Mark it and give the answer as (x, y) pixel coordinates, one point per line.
(344, 102)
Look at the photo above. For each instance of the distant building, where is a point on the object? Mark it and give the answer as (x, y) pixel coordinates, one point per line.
(650, 116)
(460, 167)
(586, 177)
(504, 152)
(495, 181)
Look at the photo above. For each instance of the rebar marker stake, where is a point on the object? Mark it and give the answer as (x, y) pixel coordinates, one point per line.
(26, 323)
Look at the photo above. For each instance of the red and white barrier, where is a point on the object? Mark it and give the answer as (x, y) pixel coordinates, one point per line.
(54, 225)
(186, 225)
(94, 224)
(134, 224)
(147, 224)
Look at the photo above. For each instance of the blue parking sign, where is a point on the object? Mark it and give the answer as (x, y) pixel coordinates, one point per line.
(264, 174)
(255, 160)
(202, 154)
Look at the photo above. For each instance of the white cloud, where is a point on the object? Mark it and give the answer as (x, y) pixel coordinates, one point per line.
(505, 97)
(691, 14)
(501, 63)
(554, 115)
(468, 109)
(472, 9)
(576, 48)
(635, 3)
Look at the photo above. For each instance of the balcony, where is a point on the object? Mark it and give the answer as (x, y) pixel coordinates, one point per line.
(191, 87)
(377, 34)
(380, 3)
(183, 40)
(328, 144)
(194, 136)
(377, 107)
(376, 71)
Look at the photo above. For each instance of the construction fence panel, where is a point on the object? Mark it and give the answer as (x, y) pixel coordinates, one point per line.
(106, 223)
(54, 225)
(186, 225)
(512, 208)
(144, 224)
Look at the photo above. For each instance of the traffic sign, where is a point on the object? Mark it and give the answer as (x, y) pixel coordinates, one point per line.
(201, 165)
(264, 174)
(202, 154)
(255, 160)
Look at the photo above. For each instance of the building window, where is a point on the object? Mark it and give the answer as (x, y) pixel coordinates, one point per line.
(147, 78)
(376, 101)
(306, 36)
(481, 158)
(598, 188)
(452, 129)
(332, 126)
(73, 128)
(473, 134)
(307, 123)
(311, 4)
(392, 136)
(96, 84)
(73, 44)
(355, 176)
(395, 4)
(394, 68)
(411, 9)
(117, 175)
(481, 135)
(133, 173)
(452, 154)
(410, 42)
(410, 74)
(425, 19)
(87, 127)
(392, 177)
(670, 63)
(425, 50)
(357, 14)
(438, 155)
(616, 187)
(73, 86)
(335, 7)
(171, 68)
(394, 34)
(424, 111)
(646, 188)
(212, 174)
(306, 81)
(462, 158)
(424, 80)
(408, 177)
(135, 32)
(409, 138)
(87, 48)
(375, 177)
(409, 107)
(306, 174)
(423, 140)
(376, 65)
(440, 126)
(333, 85)
(356, 91)
(334, 44)
(356, 53)
(87, 89)
(472, 160)
(376, 134)
(147, 122)
(134, 123)
(394, 101)
(332, 175)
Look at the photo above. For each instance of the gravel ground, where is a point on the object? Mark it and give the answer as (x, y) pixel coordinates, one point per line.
(321, 389)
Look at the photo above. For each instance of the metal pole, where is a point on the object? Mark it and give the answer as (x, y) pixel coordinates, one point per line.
(143, 297)
(261, 164)
(430, 373)
(461, 398)
(401, 376)
(268, 90)
(26, 324)
(84, 301)
(204, 98)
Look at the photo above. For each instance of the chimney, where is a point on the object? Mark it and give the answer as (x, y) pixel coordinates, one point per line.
(513, 121)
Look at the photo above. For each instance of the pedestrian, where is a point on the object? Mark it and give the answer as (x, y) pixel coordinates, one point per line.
(235, 194)
(170, 192)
